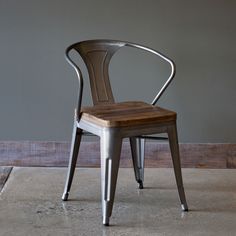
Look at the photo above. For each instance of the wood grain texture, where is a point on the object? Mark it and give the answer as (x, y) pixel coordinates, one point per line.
(126, 114)
(27, 153)
(4, 174)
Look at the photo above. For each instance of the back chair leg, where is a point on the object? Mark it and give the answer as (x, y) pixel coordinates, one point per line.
(137, 151)
(75, 144)
(174, 147)
(110, 157)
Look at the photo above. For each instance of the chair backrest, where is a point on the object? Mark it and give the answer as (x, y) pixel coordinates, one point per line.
(97, 55)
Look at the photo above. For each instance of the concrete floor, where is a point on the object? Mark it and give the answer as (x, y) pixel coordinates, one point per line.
(30, 204)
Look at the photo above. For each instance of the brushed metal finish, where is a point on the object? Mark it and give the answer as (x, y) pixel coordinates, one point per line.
(101, 63)
(174, 147)
(110, 147)
(171, 63)
(137, 151)
(97, 55)
(75, 143)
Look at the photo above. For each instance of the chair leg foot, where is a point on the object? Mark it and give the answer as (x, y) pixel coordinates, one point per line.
(140, 184)
(105, 221)
(184, 207)
(65, 196)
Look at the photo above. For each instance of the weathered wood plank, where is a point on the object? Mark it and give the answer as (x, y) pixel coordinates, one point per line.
(126, 114)
(30, 153)
(4, 174)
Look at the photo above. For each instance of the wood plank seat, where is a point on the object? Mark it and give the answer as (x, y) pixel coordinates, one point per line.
(126, 114)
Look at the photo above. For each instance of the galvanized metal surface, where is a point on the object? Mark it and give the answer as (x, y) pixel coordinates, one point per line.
(96, 55)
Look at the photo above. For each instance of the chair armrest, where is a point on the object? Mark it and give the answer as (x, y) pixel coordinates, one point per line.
(172, 74)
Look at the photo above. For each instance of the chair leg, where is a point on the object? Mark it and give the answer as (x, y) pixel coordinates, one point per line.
(75, 143)
(110, 157)
(174, 147)
(137, 151)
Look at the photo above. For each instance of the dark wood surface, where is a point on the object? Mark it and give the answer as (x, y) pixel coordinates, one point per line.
(126, 114)
(27, 153)
(4, 174)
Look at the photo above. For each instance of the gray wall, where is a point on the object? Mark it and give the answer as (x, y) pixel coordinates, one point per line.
(38, 88)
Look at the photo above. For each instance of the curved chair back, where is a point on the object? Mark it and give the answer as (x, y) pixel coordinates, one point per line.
(97, 55)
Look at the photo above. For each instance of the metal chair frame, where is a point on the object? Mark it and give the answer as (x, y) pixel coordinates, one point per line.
(100, 52)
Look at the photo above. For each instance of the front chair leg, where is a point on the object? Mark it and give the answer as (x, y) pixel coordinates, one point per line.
(174, 147)
(110, 157)
(75, 143)
(137, 151)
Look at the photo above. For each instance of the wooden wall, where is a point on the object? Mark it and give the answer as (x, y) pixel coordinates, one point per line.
(56, 154)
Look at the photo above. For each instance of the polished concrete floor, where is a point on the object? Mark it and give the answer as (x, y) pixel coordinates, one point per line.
(30, 204)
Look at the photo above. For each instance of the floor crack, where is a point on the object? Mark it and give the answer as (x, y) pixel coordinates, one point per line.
(4, 175)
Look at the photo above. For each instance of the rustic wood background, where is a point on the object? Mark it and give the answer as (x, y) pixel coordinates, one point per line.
(56, 154)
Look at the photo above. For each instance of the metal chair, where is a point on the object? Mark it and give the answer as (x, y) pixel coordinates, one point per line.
(113, 121)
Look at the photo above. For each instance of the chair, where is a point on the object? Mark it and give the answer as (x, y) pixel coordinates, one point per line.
(113, 121)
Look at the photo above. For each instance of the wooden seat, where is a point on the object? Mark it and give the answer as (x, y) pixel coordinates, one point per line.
(113, 121)
(126, 114)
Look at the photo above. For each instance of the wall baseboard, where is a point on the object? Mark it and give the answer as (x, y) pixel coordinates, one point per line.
(56, 154)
